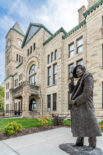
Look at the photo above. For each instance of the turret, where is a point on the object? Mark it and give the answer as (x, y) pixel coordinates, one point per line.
(13, 50)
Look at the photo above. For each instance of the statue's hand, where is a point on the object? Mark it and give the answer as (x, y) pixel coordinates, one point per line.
(72, 101)
(72, 79)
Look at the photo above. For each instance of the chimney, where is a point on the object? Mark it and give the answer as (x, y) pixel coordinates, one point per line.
(80, 13)
(91, 2)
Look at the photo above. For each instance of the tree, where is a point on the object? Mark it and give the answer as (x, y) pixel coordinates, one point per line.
(1, 98)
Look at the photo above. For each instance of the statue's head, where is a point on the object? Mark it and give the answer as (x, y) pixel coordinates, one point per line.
(78, 71)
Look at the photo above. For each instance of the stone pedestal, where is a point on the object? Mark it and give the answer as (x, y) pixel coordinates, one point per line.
(80, 150)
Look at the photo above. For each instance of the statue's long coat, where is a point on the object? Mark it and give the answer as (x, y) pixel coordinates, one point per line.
(84, 121)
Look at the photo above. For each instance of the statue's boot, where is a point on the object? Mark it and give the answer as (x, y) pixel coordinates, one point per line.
(79, 141)
(92, 142)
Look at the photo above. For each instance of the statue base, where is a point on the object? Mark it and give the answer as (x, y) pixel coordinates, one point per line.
(80, 150)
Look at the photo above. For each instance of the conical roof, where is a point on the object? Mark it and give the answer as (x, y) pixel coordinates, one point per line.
(17, 27)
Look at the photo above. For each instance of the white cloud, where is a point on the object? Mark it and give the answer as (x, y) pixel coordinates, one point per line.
(60, 13)
(6, 22)
(53, 14)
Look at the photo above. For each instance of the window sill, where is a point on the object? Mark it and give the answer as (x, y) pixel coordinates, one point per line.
(52, 85)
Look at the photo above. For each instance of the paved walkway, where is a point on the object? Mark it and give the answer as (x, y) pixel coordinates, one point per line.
(42, 143)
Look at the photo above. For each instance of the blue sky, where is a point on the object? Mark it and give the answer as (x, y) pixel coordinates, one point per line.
(52, 13)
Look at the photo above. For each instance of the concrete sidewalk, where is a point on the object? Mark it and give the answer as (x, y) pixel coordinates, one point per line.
(42, 143)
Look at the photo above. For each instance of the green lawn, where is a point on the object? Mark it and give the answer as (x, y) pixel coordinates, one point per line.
(26, 123)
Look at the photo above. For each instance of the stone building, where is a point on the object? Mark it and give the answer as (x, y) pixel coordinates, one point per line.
(38, 64)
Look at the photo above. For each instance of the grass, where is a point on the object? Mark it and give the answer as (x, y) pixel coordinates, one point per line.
(67, 122)
(29, 123)
(26, 123)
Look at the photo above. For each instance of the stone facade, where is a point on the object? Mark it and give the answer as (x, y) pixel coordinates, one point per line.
(42, 90)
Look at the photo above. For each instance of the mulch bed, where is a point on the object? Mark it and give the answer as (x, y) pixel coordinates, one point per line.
(3, 136)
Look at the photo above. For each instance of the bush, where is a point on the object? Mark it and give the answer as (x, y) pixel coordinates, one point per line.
(57, 120)
(44, 120)
(101, 126)
(12, 128)
(67, 122)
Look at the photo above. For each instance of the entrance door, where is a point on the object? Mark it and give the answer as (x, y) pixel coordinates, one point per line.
(32, 105)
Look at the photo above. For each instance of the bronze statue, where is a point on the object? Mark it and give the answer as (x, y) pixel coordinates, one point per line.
(83, 118)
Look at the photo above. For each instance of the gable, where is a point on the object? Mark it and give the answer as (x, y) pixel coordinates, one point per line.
(31, 32)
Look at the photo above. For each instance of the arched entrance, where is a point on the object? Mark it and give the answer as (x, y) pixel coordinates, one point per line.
(32, 105)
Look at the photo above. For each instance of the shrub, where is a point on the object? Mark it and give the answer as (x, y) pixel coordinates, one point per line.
(101, 126)
(57, 120)
(44, 120)
(67, 122)
(12, 128)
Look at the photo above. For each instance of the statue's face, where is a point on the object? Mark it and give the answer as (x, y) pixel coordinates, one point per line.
(79, 72)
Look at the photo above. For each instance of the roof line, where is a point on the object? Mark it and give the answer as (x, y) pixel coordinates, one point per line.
(30, 38)
(10, 76)
(42, 26)
(15, 31)
(19, 65)
(92, 8)
(35, 24)
(55, 34)
(74, 29)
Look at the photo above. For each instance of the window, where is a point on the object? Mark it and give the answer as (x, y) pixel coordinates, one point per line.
(49, 76)
(79, 62)
(7, 95)
(34, 46)
(30, 49)
(54, 102)
(80, 45)
(20, 77)
(55, 74)
(32, 105)
(19, 42)
(70, 69)
(28, 52)
(17, 57)
(19, 106)
(22, 59)
(56, 54)
(32, 74)
(48, 102)
(52, 57)
(48, 59)
(7, 108)
(8, 43)
(15, 106)
(16, 82)
(7, 85)
(71, 50)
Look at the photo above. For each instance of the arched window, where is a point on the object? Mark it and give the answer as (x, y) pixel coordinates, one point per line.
(32, 105)
(32, 75)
